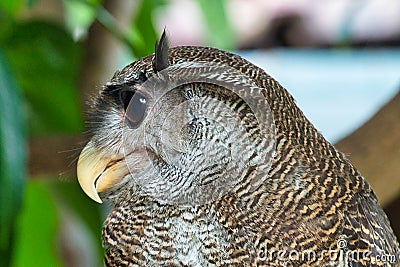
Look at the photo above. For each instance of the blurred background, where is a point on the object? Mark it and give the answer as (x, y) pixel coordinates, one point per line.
(340, 59)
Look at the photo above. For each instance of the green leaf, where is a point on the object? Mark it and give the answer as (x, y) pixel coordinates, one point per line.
(12, 158)
(143, 24)
(6, 22)
(141, 36)
(31, 3)
(90, 212)
(79, 15)
(48, 206)
(37, 228)
(11, 6)
(143, 28)
(219, 31)
(47, 62)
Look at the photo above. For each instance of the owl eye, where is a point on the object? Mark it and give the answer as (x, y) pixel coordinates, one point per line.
(135, 104)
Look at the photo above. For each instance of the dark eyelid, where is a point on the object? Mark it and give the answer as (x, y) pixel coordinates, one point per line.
(113, 89)
(123, 99)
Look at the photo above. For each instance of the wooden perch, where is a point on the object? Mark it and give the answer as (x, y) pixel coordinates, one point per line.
(374, 149)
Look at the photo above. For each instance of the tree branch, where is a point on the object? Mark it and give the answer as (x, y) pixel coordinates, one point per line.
(54, 156)
(374, 149)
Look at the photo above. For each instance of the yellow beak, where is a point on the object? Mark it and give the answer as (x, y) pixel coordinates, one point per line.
(98, 171)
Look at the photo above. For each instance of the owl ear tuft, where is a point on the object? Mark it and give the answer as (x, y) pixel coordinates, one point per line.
(160, 60)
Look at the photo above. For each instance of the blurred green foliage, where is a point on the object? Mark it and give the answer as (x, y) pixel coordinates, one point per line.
(37, 228)
(47, 64)
(12, 158)
(219, 32)
(40, 64)
(11, 7)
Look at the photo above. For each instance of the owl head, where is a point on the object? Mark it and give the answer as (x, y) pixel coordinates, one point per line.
(178, 129)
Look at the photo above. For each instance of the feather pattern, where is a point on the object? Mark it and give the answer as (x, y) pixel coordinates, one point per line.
(312, 201)
(160, 61)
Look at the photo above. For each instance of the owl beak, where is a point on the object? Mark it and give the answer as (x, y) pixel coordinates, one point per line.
(98, 171)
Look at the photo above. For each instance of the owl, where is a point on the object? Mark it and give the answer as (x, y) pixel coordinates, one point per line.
(207, 161)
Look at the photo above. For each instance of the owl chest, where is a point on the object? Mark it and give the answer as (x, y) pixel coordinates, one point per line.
(188, 242)
(148, 237)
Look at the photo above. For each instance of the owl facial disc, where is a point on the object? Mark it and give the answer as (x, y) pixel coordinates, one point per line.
(201, 145)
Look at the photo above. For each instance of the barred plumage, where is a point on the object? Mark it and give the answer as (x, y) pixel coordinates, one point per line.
(310, 200)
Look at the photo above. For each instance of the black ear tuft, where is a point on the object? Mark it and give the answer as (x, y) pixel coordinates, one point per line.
(160, 61)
